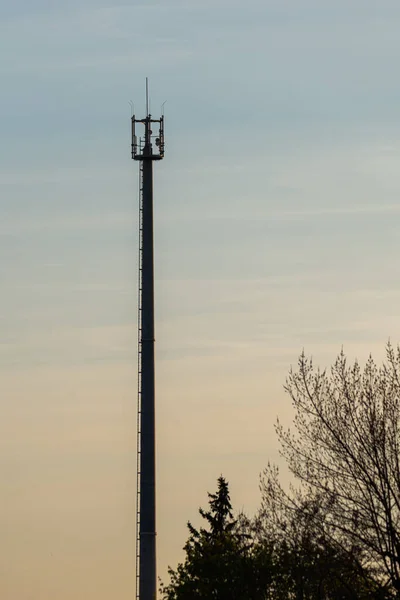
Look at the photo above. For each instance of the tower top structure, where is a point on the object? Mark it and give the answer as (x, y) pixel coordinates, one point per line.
(142, 146)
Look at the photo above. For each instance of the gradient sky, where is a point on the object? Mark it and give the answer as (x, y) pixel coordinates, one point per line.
(277, 228)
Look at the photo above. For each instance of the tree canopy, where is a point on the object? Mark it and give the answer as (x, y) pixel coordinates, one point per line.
(344, 451)
(216, 561)
(335, 533)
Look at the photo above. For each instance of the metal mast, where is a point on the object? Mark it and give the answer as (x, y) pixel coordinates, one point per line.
(143, 151)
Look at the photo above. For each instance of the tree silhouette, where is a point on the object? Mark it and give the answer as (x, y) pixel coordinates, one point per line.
(308, 562)
(345, 451)
(218, 563)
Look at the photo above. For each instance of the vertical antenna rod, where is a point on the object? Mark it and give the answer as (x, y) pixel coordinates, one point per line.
(142, 150)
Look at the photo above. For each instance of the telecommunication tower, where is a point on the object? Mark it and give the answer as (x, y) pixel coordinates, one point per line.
(146, 149)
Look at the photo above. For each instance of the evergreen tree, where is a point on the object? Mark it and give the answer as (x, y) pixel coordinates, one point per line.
(218, 563)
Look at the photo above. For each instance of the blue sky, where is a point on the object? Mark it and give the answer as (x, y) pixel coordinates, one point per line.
(277, 222)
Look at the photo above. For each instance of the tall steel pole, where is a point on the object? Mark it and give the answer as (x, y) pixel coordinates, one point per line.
(147, 564)
(146, 573)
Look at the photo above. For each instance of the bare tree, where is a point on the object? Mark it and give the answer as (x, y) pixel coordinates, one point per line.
(344, 450)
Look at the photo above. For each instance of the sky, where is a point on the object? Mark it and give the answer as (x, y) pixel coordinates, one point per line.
(277, 229)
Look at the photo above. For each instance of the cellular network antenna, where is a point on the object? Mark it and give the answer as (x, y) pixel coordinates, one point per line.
(146, 150)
